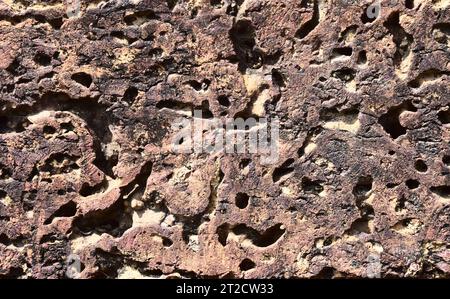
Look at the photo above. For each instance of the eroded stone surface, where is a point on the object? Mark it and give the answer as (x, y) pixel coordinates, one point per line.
(86, 107)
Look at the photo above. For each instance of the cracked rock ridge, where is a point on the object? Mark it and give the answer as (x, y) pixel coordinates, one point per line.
(87, 103)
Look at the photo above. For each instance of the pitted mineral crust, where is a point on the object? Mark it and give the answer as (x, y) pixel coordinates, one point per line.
(87, 105)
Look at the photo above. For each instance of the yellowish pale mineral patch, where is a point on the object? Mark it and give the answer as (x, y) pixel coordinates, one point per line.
(405, 66)
(18, 5)
(124, 56)
(147, 218)
(258, 107)
(351, 86)
(310, 147)
(302, 264)
(323, 9)
(81, 242)
(287, 191)
(253, 82)
(6, 201)
(407, 227)
(128, 272)
(344, 123)
(441, 4)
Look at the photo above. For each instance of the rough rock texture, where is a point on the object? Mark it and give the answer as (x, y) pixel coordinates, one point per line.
(87, 102)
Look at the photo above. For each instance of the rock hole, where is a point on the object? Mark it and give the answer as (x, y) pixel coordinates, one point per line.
(112, 220)
(348, 33)
(242, 200)
(56, 23)
(242, 35)
(67, 127)
(167, 242)
(244, 163)
(223, 101)
(130, 94)
(426, 76)
(391, 185)
(59, 163)
(49, 130)
(444, 116)
(326, 273)
(401, 204)
(362, 57)
(310, 186)
(267, 238)
(441, 33)
(140, 17)
(408, 226)
(171, 4)
(445, 160)
(16, 68)
(42, 59)
(199, 86)
(278, 78)
(216, 3)
(344, 74)
(247, 265)
(363, 187)
(344, 51)
(174, 105)
(442, 191)
(401, 38)
(88, 190)
(233, 7)
(305, 3)
(5, 172)
(283, 171)
(360, 225)
(421, 166)
(409, 4)
(155, 53)
(67, 210)
(5, 240)
(390, 120)
(310, 25)
(412, 184)
(222, 233)
(270, 236)
(194, 13)
(206, 112)
(83, 79)
(361, 191)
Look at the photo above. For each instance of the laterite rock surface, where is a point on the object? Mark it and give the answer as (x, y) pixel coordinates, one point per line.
(87, 105)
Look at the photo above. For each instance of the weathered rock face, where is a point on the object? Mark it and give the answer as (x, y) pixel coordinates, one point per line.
(88, 99)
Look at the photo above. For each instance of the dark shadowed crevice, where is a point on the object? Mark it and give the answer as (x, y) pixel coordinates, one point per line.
(67, 210)
(310, 25)
(390, 120)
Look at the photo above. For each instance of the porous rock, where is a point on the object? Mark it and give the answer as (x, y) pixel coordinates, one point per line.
(87, 102)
